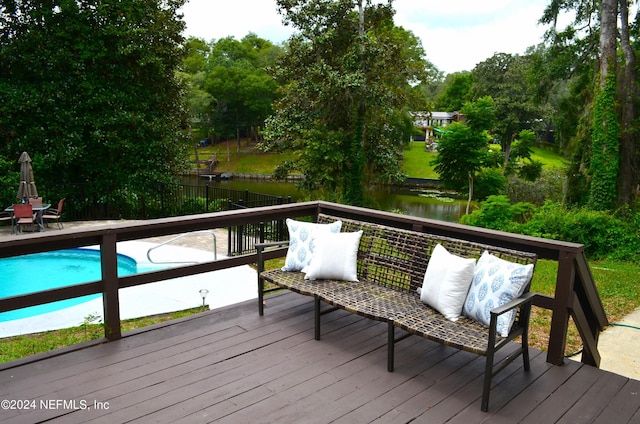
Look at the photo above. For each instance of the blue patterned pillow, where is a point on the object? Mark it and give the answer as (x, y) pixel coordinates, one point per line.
(495, 283)
(300, 247)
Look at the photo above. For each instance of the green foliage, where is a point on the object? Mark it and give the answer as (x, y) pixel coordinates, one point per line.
(236, 79)
(530, 171)
(457, 92)
(90, 86)
(345, 89)
(498, 213)
(504, 77)
(603, 234)
(9, 180)
(463, 150)
(605, 148)
(549, 186)
(488, 182)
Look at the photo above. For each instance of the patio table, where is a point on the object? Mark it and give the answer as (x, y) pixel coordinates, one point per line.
(39, 210)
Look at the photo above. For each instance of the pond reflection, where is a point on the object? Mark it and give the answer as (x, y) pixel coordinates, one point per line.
(424, 203)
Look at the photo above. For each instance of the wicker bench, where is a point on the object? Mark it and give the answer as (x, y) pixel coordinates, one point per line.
(391, 267)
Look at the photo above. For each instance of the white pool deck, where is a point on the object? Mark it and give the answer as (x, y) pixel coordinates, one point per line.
(225, 287)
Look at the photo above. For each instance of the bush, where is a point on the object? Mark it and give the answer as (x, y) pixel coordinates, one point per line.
(498, 213)
(547, 187)
(603, 235)
(489, 182)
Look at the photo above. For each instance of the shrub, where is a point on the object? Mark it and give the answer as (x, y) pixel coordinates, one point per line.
(498, 213)
(489, 182)
(548, 187)
(603, 234)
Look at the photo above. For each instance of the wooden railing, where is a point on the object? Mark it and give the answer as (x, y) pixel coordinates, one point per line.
(576, 294)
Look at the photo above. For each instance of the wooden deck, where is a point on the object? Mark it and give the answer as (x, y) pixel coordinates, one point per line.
(233, 366)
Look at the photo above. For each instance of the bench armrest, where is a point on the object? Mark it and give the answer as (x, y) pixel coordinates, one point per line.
(515, 303)
(262, 246)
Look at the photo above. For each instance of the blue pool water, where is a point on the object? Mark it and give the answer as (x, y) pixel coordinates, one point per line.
(44, 271)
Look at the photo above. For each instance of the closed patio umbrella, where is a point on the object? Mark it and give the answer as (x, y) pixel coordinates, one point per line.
(27, 184)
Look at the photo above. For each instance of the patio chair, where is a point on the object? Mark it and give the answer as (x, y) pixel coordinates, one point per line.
(6, 216)
(23, 215)
(54, 215)
(36, 202)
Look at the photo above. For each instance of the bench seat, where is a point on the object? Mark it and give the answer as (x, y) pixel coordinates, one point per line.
(391, 265)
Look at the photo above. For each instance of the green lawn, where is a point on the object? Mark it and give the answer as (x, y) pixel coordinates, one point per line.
(548, 158)
(416, 162)
(247, 161)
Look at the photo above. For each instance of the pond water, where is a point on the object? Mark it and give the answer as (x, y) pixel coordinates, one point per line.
(424, 203)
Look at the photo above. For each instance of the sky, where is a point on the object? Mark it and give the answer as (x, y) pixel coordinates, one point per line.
(456, 35)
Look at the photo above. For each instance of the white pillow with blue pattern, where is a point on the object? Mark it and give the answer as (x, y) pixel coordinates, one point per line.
(495, 283)
(300, 249)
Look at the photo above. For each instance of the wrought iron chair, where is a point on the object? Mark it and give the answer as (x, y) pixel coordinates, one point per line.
(54, 215)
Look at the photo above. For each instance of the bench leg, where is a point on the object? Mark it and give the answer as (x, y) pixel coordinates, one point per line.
(260, 296)
(486, 387)
(316, 301)
(391, 340)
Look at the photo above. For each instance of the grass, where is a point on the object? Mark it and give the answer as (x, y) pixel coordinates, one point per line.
(548, 158)
(416, 162)
(246, 161)
(617, 284)
(12, 348)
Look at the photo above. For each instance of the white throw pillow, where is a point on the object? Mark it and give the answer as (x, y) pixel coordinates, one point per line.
(495, 283)
(300, 246)
(446, 282)
(335, 257)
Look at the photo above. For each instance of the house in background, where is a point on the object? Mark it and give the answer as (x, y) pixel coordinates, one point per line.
(432, 123)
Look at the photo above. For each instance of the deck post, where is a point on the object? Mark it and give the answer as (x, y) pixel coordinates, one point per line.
(110, 297)
(560, 320)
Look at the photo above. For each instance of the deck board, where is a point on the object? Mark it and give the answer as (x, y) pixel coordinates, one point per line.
(230, 365)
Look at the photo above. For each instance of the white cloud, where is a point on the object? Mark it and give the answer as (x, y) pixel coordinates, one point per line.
(455, 35)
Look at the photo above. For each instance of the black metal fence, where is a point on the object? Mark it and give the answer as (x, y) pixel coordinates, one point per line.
(242, 239)
(166, 200)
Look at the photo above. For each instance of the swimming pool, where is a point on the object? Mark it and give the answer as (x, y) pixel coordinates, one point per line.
(44, 271)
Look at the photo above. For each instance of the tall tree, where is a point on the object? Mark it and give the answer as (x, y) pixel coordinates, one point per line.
(346, 78)
(504, 77)
(237, 79)
(90, 87)
(605, 138)
(456, 93)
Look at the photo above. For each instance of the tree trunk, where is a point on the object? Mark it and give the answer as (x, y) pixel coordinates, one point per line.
(605, 138)
(470, 193)
(627, 176)
(608, 38)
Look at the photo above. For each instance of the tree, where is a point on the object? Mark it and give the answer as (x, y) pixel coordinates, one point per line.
(504, 78)
(237, 78)
(346, 78)
(463, 149)
(457, 91)
(605, 152)
(90, 87)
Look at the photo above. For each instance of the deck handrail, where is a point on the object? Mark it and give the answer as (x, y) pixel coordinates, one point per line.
(576, 294)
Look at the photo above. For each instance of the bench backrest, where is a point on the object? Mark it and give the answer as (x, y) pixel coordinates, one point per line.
(398, 258)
